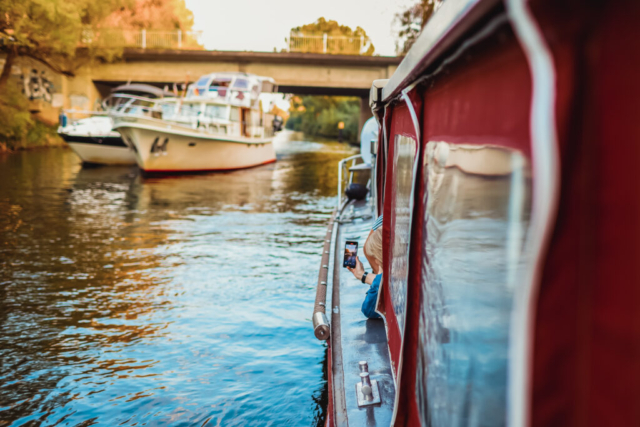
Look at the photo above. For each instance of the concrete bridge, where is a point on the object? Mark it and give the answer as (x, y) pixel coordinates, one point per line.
(296, 73)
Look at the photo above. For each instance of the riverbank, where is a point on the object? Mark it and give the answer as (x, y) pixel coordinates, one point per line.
(26, 124)
(38, 137)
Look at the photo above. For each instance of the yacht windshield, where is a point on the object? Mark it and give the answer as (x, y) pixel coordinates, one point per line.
(241, 84)
(220, 85)
(202, 84)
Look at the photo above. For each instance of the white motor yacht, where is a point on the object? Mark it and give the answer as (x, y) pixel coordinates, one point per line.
(219, 125)
(93, 139)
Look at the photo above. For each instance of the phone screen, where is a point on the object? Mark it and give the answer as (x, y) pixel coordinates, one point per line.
(350, 252)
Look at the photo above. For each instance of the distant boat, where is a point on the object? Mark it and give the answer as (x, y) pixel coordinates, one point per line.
(93, 138)
(219, 125)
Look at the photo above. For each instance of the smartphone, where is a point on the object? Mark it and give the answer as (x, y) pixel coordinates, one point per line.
(350, 252)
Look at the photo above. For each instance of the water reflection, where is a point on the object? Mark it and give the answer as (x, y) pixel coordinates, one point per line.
(184, 300)
(477, 208)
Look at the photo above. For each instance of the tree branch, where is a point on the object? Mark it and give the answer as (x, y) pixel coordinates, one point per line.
(8, 64)
(32, 55)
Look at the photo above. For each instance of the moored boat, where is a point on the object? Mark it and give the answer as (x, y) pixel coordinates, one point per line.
(93, 139)
(503, 170)
(219, 125)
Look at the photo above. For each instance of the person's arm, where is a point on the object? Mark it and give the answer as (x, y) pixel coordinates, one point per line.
(371, 259)
(358, 272)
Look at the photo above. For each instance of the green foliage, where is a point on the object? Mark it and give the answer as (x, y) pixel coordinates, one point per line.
(151, 15)
(343, 40)
(412, 21)
(18, 128)
(62, 35)
(50, 31)
(320, 115)
(15, 119)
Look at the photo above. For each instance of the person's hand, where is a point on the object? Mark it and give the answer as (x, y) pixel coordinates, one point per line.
(358, 272)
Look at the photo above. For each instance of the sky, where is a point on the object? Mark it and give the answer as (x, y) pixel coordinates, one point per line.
(261, 25)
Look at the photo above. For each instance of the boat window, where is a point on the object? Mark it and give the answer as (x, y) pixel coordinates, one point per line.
(168, 110)
(221, 82)
(202, 82)
(190, 109)
(404, 156)
(476, 201)
(241, 84)
(216, 111)
(235, 114)
(219, 85)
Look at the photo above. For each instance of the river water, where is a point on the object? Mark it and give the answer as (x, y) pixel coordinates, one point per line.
(180, 300)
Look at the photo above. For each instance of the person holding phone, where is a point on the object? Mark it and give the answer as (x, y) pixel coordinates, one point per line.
(373, 253)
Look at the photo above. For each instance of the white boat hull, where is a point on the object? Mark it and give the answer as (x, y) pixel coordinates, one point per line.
(103, 154)
(94, 141)
(165, 148)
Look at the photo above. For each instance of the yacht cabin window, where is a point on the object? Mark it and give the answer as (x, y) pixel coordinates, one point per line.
(241, 84)
(168, 110)
(235, 114)
(190, 109)
(220, 85)
(216, 111)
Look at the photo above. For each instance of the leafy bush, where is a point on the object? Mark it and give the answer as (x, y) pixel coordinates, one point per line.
(320, 115)
(18, 128)
(15, 119)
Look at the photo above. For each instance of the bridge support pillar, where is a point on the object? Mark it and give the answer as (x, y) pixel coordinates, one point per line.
(365, 113)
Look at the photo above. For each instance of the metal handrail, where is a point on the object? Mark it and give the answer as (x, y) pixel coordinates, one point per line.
(341, 168)
(321, 326)
(144, 39)
(347, 45)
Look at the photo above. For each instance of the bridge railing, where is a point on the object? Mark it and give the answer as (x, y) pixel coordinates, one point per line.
(337, 45)
(144, 39)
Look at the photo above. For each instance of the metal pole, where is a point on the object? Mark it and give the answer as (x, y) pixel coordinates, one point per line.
(339, 184)
(179, 39)
(324, 43)
(144, 39)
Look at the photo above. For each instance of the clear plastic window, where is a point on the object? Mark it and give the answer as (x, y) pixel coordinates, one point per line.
(202, 82)
(235, 114)
(241, 84)
(216, 111)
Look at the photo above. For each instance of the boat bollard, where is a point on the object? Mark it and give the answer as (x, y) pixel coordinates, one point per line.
(367, 391)
(365, 388)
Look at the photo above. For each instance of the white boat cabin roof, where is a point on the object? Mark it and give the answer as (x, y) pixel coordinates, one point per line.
(232, 88)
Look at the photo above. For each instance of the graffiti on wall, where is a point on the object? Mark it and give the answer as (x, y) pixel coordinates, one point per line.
(37, 86)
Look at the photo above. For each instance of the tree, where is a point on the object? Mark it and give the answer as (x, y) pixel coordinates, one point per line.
(48, 31)
(320, 115)
(152, 15)
(412, 21)
(63, 34)
(341, 39)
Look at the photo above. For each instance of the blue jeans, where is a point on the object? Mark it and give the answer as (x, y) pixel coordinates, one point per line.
(369, 303)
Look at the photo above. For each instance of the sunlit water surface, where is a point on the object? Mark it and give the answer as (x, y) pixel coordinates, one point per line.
(181, 300)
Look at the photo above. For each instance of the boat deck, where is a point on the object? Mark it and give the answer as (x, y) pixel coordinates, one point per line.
(354, 337)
